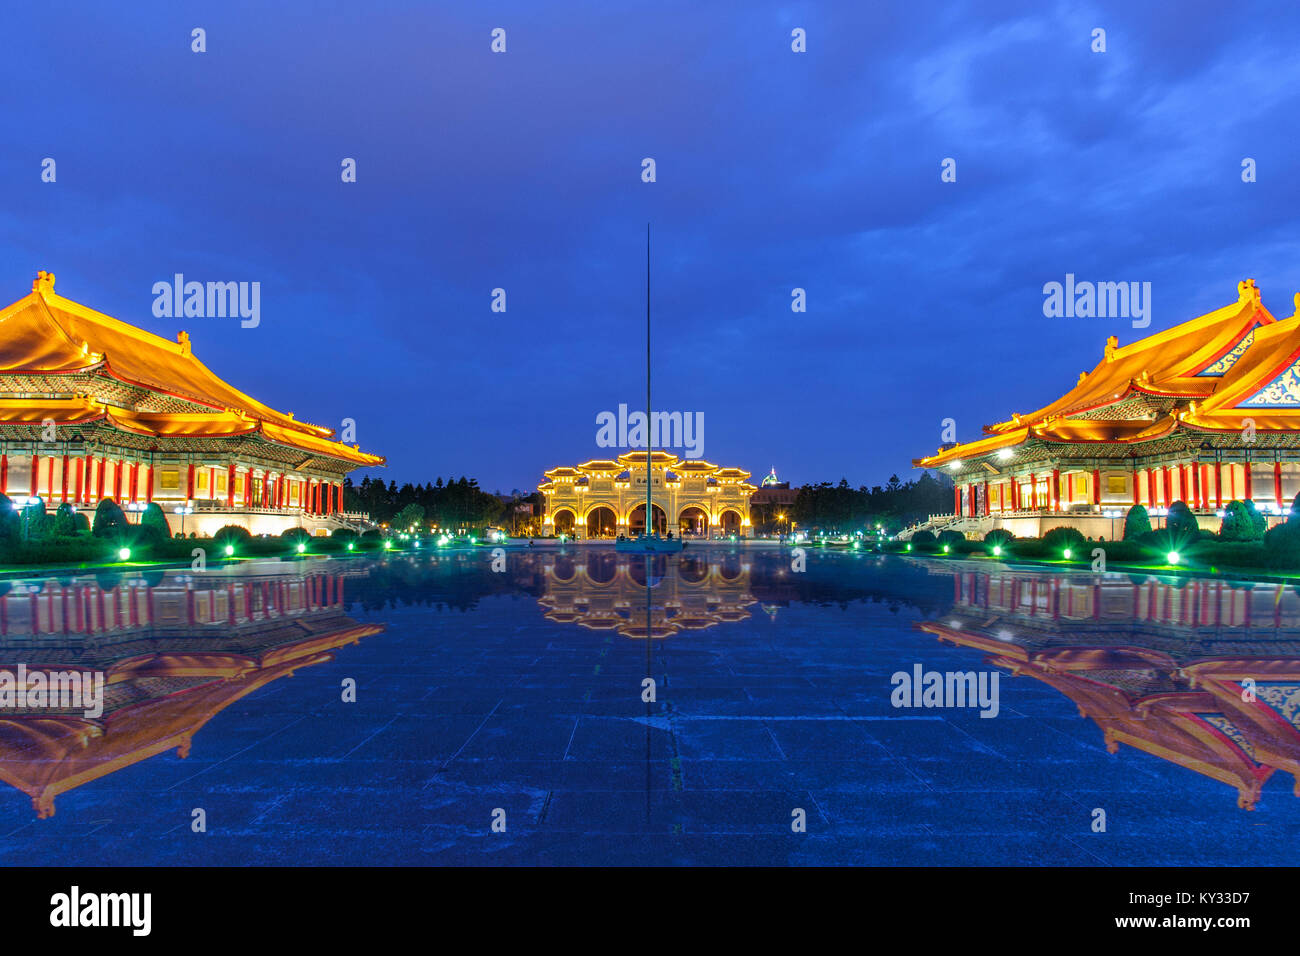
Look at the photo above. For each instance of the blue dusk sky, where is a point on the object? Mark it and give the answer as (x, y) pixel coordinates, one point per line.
(775, 170)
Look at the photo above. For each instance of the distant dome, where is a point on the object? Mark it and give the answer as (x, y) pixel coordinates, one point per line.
(771, 479)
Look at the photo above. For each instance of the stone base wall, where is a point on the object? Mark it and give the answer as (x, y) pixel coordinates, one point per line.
(206, 523)
(1096, 527)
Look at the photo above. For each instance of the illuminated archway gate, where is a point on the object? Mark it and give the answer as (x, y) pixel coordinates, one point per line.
(679, 489)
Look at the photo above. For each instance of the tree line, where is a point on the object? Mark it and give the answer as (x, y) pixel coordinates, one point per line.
(844, 509)
(453, 503)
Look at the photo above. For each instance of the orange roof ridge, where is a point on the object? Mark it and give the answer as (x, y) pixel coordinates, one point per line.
(189, 378)
(1123, 366)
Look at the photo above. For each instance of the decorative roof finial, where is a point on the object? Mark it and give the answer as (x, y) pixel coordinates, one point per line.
(1112, 344)
(1246, 289)
(44, 282)
(1297, 303)
(183, 340)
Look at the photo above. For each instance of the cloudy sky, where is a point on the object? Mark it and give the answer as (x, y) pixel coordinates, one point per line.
(775, 170)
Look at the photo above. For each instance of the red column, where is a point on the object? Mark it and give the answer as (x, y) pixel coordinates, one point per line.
(117, 480)
(956, 499)
(148, 484)
(248, 488)
(1182, 484)
(1277, 482)
(1136, 497)
(64, 479)
(99, 495)
(1151, 487)
(81, 469)
(135, 481)
(189, 483)
(1247, 490)
(1056, 489)
(36, 470)
(1218, 484)
(4, 474)
(230, 486)
(90, 471)
(1096, 487)
(1033, 490)
(988, 509)
(1169, 487)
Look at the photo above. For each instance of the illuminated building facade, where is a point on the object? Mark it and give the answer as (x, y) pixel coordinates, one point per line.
(1205, 412)
(603, 498)
(93, 408)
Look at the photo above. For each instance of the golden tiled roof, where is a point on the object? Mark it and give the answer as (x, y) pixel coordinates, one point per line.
(46, 334)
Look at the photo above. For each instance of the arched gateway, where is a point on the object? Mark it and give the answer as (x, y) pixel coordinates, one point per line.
(690, 497)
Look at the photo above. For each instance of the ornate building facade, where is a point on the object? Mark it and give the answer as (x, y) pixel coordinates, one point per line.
(604, 498)
(1203, 413)
(93, 408)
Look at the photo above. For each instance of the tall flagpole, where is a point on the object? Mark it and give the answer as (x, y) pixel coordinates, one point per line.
(649, 513)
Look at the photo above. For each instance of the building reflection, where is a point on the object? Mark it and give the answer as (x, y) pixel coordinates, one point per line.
(175, 650)
(605, 591)
(1202, 673)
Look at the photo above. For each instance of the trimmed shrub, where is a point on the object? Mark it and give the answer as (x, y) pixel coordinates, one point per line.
(951, 539)
(109, 520)
(1136, 523)
(1058, 540)
(344, 534)
(81, 522)
(11, 525)
(921, 541)
(1181, 524)
(1282, 542)
(153, 525)
(295, 536)
(998, 536)
(1294, 516)
(64, 524)
(1257, 521)
(233, 536)
(1239, 523)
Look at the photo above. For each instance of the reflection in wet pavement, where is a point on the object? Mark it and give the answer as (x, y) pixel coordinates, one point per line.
(1172, 705)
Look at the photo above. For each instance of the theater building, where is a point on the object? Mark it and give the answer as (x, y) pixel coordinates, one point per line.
(603, 498)
(93, 408)
(1205, 412)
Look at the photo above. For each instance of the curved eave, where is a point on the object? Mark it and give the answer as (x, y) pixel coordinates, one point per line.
(973, 449)
(317, 446)
(60, 411)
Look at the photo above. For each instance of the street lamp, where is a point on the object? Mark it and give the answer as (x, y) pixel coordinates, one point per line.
(183, 510)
